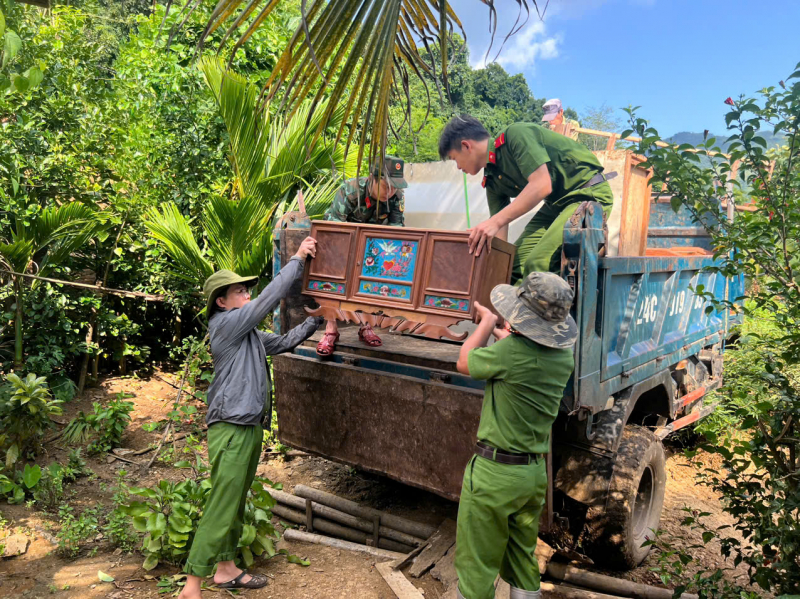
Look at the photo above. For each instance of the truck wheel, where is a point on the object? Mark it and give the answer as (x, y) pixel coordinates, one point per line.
(617, 527)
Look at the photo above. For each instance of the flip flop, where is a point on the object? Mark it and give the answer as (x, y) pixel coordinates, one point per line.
(368, 336)
(257, 581)
(328, 344)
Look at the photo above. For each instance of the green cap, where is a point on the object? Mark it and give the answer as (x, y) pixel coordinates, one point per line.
(539, 309)
(219, 281)
(392, 171)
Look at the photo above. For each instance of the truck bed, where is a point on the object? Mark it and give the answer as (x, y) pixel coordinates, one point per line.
(403, 349)
(400, 410)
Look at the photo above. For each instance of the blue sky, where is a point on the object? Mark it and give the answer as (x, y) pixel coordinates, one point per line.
(677, 59)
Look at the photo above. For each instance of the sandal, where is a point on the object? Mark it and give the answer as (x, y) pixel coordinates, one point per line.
(368, 336)
(328, 344)
(257, 581)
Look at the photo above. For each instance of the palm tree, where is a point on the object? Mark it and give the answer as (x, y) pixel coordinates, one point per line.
(368, 46)
(271, 159)
(46, 242)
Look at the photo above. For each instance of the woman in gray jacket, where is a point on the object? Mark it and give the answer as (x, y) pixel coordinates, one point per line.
(236, 405)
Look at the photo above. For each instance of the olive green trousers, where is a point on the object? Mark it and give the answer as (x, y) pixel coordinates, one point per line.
(539, 245)
(498, 525)
(233, 453)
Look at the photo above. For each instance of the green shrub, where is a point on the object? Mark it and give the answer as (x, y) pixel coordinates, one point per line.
(25, 410)
(74, 531)
(118, 524)
(76, 466)
(755, 437)
(49, 492)
(105, 426)
(21, 484)
(170, 513)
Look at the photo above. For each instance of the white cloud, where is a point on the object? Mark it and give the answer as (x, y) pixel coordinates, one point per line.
(525, 48)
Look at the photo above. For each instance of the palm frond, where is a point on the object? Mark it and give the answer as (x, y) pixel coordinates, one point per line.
(235, 230)
(169, 226)
(317, 199)
(370, 44)
(60, 230)
(57, 222)
(17, 255)
(269, 154)
(247, 128)
(358, 39)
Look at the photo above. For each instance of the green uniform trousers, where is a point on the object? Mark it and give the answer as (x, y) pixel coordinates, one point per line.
(498, 524)
(539, 245)
(233, 452)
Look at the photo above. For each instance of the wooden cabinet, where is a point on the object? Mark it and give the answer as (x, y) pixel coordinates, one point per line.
(412, 280)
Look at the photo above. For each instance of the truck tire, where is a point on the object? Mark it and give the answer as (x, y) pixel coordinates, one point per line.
(619, 525)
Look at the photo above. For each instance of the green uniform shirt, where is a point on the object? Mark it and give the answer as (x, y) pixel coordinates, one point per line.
(524, 147)
(573, 122)
(353, 204)
(524, 385)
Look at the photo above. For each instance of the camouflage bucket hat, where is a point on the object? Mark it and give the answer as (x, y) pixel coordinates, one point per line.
(539, 309)
(219, 281)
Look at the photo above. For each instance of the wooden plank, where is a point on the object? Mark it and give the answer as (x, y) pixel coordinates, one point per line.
(635, 216)
(438, 544)
(401, 586)
(401, 348)
(306, 537)
(445, 569)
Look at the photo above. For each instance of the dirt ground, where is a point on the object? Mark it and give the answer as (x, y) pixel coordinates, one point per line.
(333, 573)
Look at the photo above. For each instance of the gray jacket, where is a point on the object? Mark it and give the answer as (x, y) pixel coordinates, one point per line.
(239, 350)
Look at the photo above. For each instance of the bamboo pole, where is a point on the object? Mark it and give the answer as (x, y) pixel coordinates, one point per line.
(189, 357)
(337, 530)
(607, 584)
(307, 537)
(560, 591)
(417, 529)
(94, 288)
(323, 511)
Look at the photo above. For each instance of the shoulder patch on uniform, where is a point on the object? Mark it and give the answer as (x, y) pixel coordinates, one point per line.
(500, 140)
(492, 158)
(483, 183)
(402, 204)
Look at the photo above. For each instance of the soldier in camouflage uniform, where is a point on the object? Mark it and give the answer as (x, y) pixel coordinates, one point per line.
(505, 482)
(367, 200)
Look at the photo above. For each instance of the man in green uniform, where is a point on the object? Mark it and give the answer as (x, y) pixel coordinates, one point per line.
(533, 165)
(505, 482)
(554, 115)
(366, 200)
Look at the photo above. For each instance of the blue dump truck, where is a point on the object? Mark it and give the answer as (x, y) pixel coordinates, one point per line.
(647, 354)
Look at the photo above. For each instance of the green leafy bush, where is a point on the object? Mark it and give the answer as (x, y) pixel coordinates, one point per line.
(757, 472)
(25, 410)
(170, 513)
(74, 531)
(49, 492)
(105, 426)
(117, 526)
(21, 485)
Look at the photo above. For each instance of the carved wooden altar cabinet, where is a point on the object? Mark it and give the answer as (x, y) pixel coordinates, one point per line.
(416, 281)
